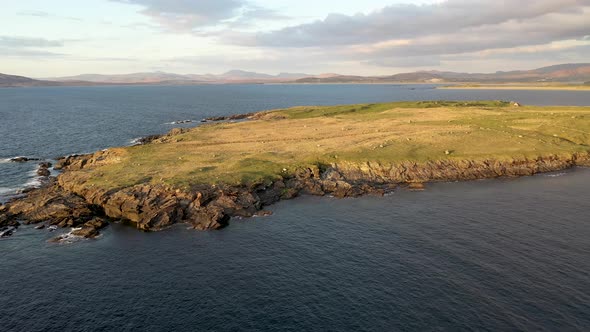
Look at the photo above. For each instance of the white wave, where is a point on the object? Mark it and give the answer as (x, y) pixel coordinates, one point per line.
(32, 174)
(135, 141)
(68, 238)
(9, 159)
(33, 183)
(556, 175)
(188, 121)
(9, 190)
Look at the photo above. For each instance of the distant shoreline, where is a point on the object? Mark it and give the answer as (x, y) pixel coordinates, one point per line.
(517, 87)
(437, 85)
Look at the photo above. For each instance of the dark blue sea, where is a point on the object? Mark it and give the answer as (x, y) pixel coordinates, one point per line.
(493, 255)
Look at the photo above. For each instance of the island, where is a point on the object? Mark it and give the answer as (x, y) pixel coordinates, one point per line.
(239, 165)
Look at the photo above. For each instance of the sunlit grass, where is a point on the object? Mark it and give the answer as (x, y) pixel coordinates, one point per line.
(280, 141)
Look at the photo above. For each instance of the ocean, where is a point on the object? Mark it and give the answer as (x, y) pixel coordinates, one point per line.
(508, 254)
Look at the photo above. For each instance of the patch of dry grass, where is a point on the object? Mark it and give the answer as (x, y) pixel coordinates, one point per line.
(280, 141)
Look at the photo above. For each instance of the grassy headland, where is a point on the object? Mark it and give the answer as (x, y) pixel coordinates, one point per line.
(276, 143)
(216, 171)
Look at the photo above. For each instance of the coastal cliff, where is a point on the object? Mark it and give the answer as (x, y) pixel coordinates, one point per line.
(356, 150)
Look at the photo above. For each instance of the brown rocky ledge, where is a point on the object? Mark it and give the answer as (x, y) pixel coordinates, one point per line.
(69, 201)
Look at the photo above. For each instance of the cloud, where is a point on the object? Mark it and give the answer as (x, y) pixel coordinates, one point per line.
(28, 47)
(36, 13)
(411, 62)
(26, 42)
(566, 51)
(550, 28)
(27, 53)
(42, 14)
(411, 21)
(186, 15)
(426, 35)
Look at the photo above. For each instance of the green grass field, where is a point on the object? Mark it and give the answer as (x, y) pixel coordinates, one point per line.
(277, 142)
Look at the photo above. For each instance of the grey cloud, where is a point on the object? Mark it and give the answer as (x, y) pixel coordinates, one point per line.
(106, 59)
(214, 8)
(250, 16)
(510, 34)
(260, 13)
(411, 62)
(45, 15)
(410, 21)
(36, 13)
(25, 42)
(428, 35)
(12, 52)
(28, 47)
(187, 15)
(577, 53)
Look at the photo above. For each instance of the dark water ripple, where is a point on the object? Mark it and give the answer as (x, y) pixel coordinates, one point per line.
(485, 255)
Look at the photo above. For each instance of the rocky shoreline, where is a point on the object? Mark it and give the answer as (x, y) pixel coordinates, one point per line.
(69, 201)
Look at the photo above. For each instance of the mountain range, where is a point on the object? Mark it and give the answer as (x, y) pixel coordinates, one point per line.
(565, 73)
(232, 76)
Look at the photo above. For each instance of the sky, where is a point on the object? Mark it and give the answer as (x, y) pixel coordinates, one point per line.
(53, 38)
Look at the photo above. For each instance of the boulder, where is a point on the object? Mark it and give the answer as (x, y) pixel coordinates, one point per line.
(7, 221)
(43, 172)
(86, 232)
(97, 223)
(339, 189)
(22, 159)
(209, 218)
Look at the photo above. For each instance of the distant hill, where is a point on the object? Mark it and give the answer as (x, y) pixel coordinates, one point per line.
(152, 77)
(13, 81)
(568, 73)
(241, 74)
(338, 79)
(564, 73)
(232, 76)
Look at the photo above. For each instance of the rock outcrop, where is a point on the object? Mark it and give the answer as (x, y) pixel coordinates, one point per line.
(23, 159)
(91, 228)
(52, 205)
(70, 201)
(43, 169)
(231, 117)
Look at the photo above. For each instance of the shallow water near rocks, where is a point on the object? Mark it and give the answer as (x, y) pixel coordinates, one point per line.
(507, 254)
